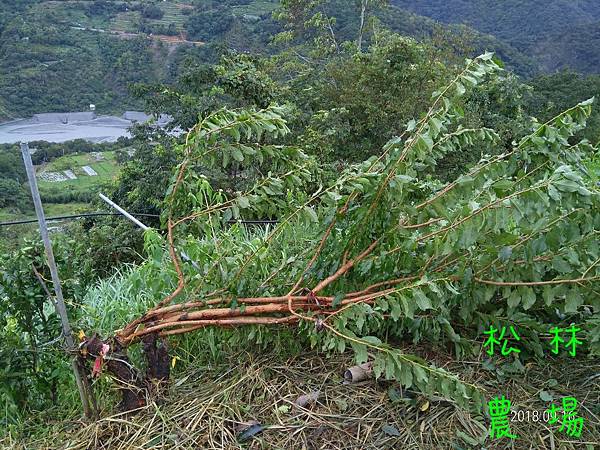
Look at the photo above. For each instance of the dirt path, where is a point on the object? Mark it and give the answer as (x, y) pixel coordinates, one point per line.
(127, 35)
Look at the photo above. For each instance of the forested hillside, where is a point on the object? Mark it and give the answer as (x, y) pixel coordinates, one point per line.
(59, 56)
(557, 33)
(64, 56)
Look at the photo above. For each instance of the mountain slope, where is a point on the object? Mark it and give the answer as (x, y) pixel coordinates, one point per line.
(64, 56)
(411, 24)
(543, 27)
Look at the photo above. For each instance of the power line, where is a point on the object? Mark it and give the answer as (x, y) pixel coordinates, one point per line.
(71, 217)
(100, 214)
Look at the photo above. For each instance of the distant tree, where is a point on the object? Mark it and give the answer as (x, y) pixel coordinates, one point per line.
(553, 93)
(206, 25)
(171, 29)
(319, 19)
(121, 157)
(152, 12)
(237, 80)
(104, 8)
(13, 195)
(354, 102)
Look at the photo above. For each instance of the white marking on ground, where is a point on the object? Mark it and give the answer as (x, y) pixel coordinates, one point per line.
(91, 172)
(52, 177)
(97, 156)
(70, 175)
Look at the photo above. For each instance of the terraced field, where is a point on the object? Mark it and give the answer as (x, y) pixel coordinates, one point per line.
(257, 7)
(174, 13)
(73, 13)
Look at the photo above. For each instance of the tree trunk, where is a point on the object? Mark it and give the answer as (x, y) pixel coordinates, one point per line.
(363, 12)
(132, 387)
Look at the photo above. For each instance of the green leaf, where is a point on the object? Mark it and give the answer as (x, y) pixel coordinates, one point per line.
(408, 306)
(428, 140)
(284, 409)
(337, 299)
(237, 154)
(514, 299)
(243, 202)
(573, 301)
(372, 340)
(436, 125)
(396, 311)
(567, 185)
(468, 236)
(360, 321)
(527, 298)
(503, 185)
(420, 374)
(312, 215)
(360, 351)
(406, 377)
(553, 193)
(226, 159)
(379, 366)
(422, 300)
(548, 295)
(561, 265)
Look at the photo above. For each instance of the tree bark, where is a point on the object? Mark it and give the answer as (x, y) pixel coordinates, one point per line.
(117, 364)
(363, 12)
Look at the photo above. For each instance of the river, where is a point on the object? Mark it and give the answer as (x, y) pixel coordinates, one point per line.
(62, 127)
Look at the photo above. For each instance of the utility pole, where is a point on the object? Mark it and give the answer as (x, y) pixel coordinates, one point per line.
(85, 391)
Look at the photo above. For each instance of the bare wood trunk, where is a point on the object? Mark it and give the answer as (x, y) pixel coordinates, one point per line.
(131, 384)
(363, 13)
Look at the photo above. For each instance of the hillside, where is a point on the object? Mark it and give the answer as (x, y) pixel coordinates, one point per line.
(474, 42)
(555, 32)
(63, 56)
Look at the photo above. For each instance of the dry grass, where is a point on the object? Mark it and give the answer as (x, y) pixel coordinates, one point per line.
(211, 407)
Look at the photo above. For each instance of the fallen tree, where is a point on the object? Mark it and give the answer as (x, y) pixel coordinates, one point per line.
(385, 252)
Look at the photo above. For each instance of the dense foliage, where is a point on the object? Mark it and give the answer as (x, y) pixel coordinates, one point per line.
(53, 60)
(553, 93)
(50, 62)
(12, 177)
(557, 33)
(510, 239)
(34, 373)
(417, 200)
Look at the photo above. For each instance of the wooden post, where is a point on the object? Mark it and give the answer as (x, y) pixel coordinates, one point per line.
(83, 386)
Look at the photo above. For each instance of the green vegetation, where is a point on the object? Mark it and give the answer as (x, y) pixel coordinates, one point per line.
(51, 64)
(62, 67)
(15, 198)
(58, 209)
(407, 199)
(558, 34)
(104, 164)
